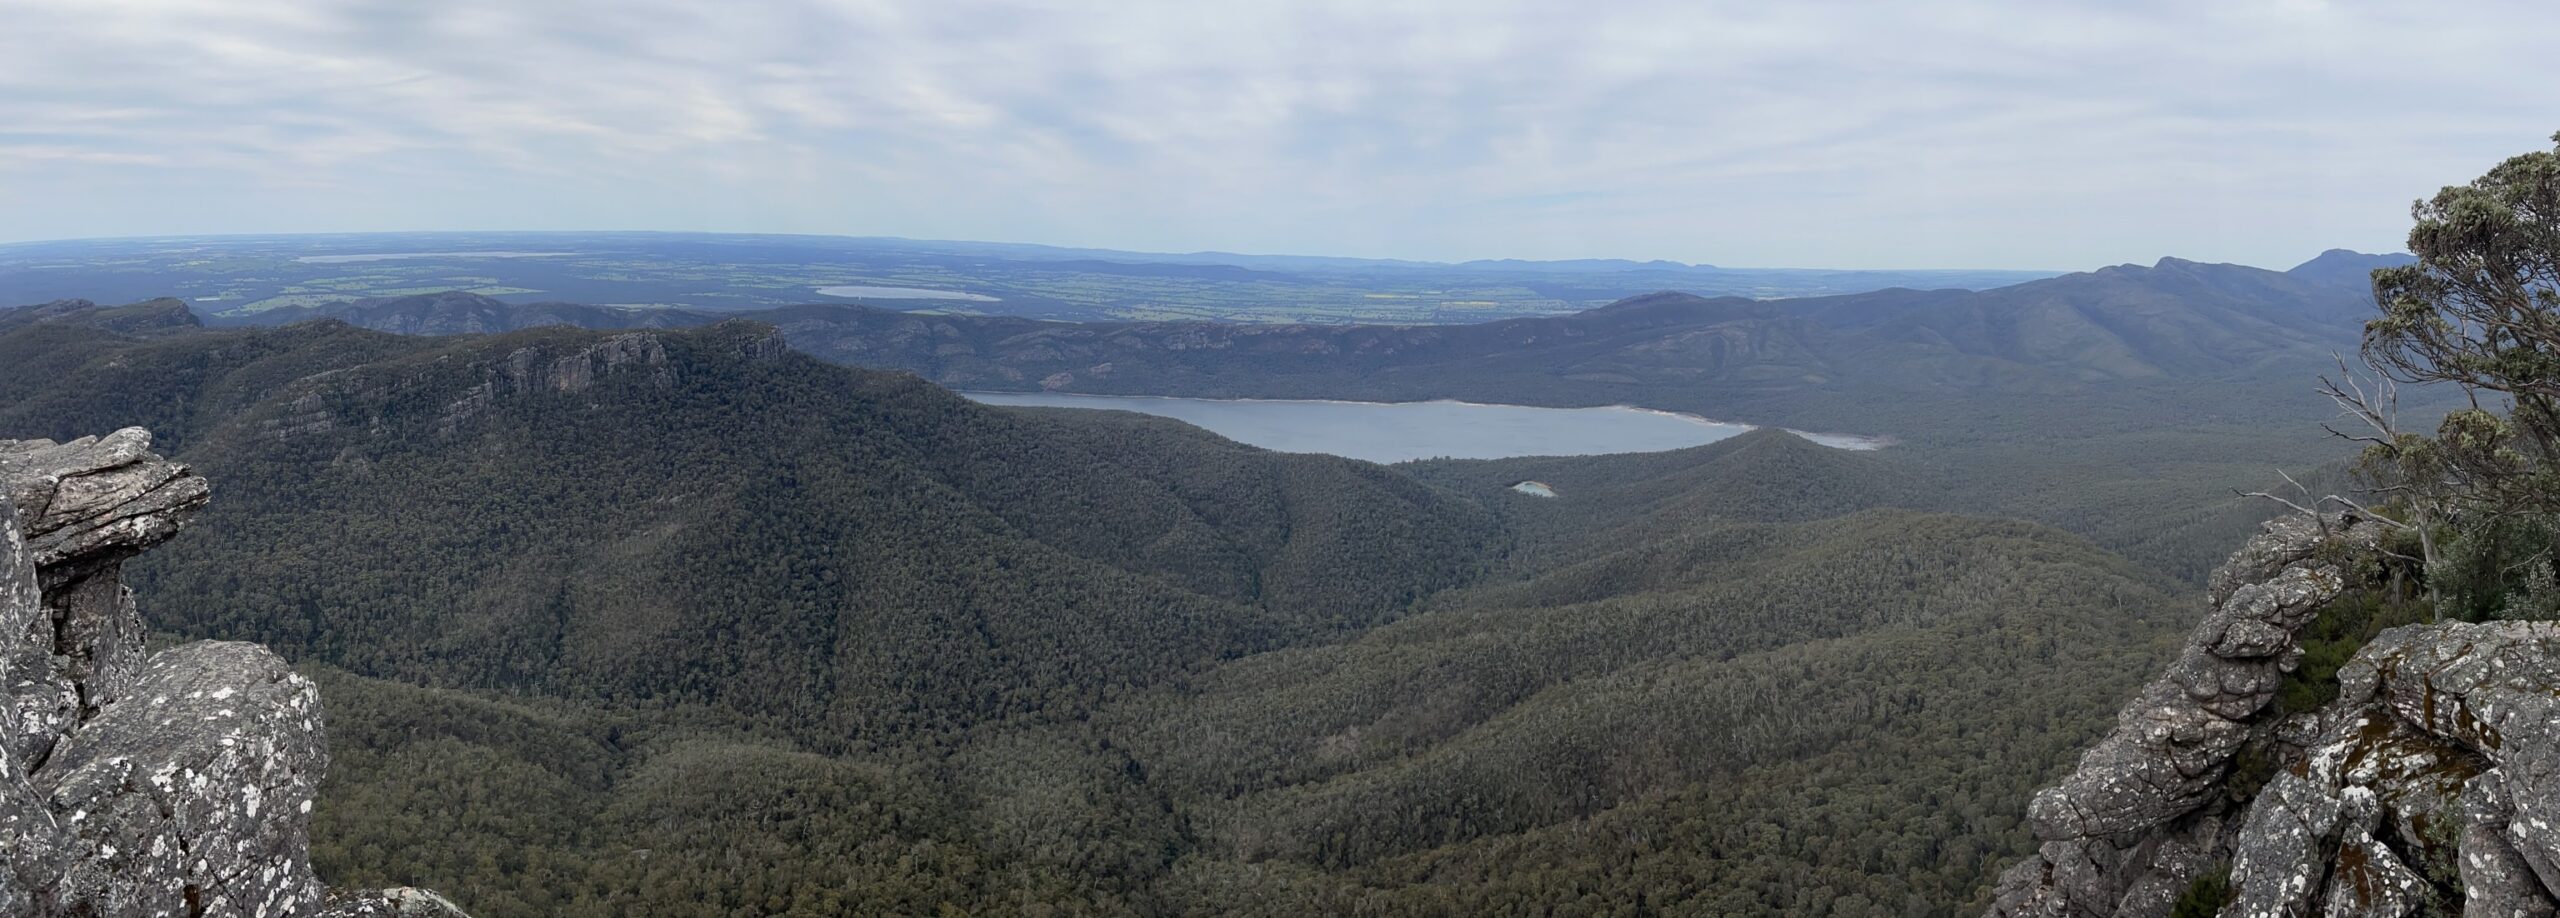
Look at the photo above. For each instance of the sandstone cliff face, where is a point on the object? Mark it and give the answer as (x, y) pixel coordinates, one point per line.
(2431, 785)
(176, 783)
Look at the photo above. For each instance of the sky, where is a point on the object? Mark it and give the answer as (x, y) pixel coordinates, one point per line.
(2039, 134)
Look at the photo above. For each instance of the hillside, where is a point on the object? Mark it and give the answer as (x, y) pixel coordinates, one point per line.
(1732, 719)
(2178, 331)
(619, 604)
(2144, 463)
(1694, 663)
(1104, 557)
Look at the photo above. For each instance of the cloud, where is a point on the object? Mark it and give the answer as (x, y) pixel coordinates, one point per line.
(1977, 133)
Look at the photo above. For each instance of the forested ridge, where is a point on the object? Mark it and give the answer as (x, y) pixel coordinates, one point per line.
(613, 621)
(2125, 403)
(1944, 366)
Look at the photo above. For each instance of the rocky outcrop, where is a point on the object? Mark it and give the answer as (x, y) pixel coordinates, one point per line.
(176, 783)
(399, 902)
(79, 509)
(531, 364)
(2143, 813)
(2436, 778)
(2429, 786)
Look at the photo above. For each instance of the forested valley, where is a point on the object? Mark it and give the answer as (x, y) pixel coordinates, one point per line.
(610, 618)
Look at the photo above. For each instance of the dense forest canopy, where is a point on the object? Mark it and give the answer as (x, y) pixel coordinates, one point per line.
(624, 602)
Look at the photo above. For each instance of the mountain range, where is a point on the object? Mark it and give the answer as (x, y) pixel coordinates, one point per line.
(679, 608)
(2183, 381)
(1810, 362)
(654, 616)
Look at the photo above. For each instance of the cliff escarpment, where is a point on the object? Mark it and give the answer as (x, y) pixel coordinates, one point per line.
(137, 783)
(2428, 784)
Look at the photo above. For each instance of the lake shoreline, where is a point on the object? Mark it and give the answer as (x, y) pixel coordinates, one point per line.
(1235, 429)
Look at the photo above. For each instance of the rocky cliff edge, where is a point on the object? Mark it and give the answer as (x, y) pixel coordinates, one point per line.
(135, 783)
(2429, 786)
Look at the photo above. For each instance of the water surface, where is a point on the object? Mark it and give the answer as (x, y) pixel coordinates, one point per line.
(903, 293)
(402, 256)
(1401, 431)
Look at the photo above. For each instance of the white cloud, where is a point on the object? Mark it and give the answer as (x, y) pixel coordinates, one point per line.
(1986, 132)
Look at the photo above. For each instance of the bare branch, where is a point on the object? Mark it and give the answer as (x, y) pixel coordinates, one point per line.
(2297, 508)
(2352, 438)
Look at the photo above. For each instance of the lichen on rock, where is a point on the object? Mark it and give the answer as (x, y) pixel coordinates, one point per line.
(177, 783)
(2141, 816)
(2430, 785)
(2450, 735)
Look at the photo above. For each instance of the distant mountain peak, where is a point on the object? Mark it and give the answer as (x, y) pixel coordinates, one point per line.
(2347, 267)
(2335, 258)
(2174, 263)
(2331, 262)
(2165, 263)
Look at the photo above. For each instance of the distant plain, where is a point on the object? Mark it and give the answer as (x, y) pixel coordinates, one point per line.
(239, 276)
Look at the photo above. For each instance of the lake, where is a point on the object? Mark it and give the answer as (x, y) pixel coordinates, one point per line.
(1401, 431)
(858, 292)
(402, 256)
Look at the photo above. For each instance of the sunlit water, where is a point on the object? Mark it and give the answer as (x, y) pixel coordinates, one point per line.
(1401, 431)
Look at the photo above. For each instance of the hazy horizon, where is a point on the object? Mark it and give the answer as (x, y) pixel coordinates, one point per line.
(1994, 134)
(2278, 265)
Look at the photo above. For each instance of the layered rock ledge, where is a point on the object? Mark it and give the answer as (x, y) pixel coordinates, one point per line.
(176, 783)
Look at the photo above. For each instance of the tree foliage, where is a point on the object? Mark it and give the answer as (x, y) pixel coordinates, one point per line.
(2481, 310)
